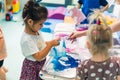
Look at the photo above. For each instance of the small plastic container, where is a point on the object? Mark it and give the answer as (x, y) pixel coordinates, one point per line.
(81, 27)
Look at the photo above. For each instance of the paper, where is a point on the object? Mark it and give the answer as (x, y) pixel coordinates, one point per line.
(77, 15)
(63, 59)
(64, 27)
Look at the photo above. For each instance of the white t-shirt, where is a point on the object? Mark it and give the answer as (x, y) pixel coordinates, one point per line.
(31, 44)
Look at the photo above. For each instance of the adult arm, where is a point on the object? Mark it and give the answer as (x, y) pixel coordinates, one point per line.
(115, 26)
(78, 34)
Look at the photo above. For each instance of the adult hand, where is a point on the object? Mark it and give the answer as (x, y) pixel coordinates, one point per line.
(77, 34)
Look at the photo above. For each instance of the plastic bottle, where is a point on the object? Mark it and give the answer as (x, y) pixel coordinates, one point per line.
(16, 6)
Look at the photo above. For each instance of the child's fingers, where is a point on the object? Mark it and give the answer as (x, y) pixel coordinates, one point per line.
(58, 38)
(73, 40)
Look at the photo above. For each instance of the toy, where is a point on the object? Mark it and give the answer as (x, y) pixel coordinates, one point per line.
(16, 6)
(81, 27)
(9, 16)
(57, 13)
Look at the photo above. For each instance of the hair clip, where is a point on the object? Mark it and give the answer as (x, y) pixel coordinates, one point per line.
(98, 21)
(95, 34)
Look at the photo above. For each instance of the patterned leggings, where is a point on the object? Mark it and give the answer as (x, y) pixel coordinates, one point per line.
(31, 69)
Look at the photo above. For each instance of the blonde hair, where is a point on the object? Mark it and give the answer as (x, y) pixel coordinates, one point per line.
(99, 34)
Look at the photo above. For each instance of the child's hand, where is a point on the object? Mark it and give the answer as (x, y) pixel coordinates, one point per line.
(54, 42)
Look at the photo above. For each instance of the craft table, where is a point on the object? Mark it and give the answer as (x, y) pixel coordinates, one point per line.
(67, 74)
(84, 53)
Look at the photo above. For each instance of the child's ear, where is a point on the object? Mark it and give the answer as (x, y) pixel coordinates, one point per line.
(88, 44)
(30, 22)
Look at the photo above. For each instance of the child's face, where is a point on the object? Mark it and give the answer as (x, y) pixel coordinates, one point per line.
(37, 26)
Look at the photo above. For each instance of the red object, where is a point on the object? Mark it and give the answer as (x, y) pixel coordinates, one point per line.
(15, 1)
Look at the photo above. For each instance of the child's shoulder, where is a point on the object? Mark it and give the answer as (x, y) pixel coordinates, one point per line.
(84, 62)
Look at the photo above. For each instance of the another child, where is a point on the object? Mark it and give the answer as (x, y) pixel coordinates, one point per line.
(3, 52)
(89, 5)
(100, 66)
(3, 55)
(33, 46)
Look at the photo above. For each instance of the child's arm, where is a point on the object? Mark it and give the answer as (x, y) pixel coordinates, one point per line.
(43, 53)
(1, 40)
(2, 46)
(2, 43)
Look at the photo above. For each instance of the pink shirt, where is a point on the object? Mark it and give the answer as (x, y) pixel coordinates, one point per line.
(3, 52)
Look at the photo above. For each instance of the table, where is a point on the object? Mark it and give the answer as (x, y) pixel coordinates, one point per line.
(83, 51)
(44, 75)
(70, 73)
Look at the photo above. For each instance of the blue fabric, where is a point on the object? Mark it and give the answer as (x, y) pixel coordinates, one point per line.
(60, 57)
(88, 5)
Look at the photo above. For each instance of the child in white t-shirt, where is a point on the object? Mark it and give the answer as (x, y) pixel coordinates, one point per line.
(34, 48)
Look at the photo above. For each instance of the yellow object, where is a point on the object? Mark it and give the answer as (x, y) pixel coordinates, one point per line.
(109, 19)
(16, 6)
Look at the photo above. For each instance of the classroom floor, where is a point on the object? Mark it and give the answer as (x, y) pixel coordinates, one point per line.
(12, 32)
